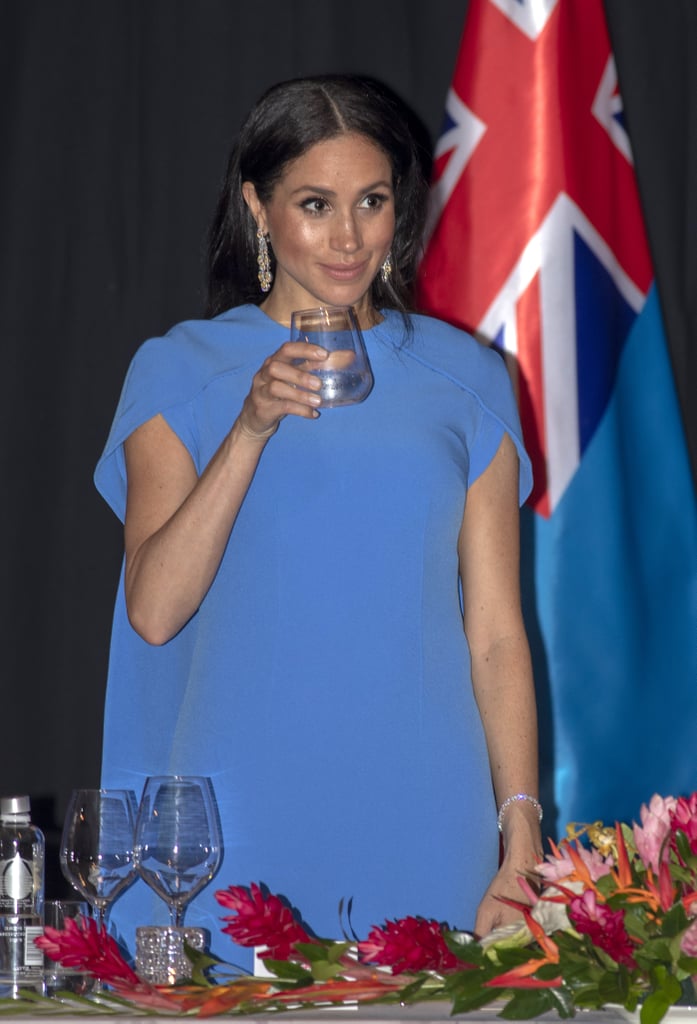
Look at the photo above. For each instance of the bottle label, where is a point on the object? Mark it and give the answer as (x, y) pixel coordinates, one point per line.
(20, 959)
(33, 956)
(16, 881)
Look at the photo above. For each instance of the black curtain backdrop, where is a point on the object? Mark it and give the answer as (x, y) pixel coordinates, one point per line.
(116, 119)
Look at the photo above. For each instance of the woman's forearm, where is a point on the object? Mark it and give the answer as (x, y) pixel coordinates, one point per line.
(503, 683)
(169, 570)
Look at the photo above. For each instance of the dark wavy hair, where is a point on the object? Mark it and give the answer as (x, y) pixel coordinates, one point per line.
(285, 123)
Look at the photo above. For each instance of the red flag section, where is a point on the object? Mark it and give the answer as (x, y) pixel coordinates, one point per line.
(536, 239)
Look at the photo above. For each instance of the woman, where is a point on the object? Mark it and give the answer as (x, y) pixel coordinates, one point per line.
(290, 616)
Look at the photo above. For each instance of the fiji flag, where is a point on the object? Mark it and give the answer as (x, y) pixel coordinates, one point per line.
(536, 243)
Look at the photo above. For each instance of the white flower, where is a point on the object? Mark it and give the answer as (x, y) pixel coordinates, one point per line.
(551, 916)
(507, 936)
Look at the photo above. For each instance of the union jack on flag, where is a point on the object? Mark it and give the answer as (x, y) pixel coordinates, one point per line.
(535, 240)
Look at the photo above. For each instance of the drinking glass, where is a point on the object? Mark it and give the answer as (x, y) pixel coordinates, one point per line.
(346, 375)
(178, 846)
(57, 977)
(96, 853)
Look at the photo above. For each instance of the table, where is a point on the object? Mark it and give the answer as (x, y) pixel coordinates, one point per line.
(420, 1013)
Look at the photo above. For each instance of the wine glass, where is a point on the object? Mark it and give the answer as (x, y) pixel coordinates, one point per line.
(96, 853)
(178, 846)
(346, 375)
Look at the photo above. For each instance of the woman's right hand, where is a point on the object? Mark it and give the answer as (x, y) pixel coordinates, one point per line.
(177, 523)
(283, 386)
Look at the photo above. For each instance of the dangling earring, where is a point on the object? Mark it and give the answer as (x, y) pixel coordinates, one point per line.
(386, 268)
(264, 273)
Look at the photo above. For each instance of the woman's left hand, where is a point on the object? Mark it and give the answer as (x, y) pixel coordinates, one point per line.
(523, 850)
(492, 912)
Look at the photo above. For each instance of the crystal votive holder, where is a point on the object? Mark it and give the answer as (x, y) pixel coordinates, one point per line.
(160, 956)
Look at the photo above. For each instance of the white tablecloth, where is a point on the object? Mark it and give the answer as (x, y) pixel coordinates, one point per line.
(420, 1013)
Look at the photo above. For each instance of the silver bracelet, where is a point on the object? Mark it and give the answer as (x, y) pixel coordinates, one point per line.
(513, 799)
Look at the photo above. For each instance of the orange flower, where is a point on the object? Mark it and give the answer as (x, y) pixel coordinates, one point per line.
(521, 976)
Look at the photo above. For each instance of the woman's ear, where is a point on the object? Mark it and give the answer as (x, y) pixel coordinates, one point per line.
(256, 208)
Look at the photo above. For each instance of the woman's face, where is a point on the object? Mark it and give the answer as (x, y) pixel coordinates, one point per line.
(331, 220)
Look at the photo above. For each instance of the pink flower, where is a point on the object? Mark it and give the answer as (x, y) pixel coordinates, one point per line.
(688, 943)
(604, 926)
(650, 838)
(409, 944)
(81, 944)
(559, 868)
(684, 819)
(262, 919)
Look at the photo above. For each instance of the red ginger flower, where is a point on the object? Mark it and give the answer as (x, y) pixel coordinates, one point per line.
(82, 944)
(262, 919)
(604, 926)
(409, 944)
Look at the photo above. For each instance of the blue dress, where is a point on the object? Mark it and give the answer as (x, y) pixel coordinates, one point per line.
(324, 683)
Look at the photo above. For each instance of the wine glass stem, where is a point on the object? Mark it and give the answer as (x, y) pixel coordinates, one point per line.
(176, 913)
(99, 914)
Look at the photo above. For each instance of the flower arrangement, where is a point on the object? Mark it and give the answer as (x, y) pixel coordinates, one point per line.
(609, 918)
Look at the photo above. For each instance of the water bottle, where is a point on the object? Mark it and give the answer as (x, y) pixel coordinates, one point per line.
(22, 851)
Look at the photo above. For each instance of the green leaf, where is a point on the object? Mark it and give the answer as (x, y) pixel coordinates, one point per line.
(628, 836)
(288, 970)
(636, 923)
(464, 946)
(467, 993)
(200, 964)
(563, 1001)
(410, 993)
(511, 956)
(468, 1003)
(675, 921)
(527, 1003)
(614, 988)
(654, 1008)
(688, 964)
(314, 952)
(34, 1003)
(666, 991)
(683, 845)
(322, 970)
(653, 952)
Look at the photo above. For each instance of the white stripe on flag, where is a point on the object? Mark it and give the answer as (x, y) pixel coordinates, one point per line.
(530, 16)
(550, 253)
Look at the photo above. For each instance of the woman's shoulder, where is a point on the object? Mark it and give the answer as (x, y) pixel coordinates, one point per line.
(174, 369)
(447, 336)
(453, 351)
(479, 370)
(199, 349)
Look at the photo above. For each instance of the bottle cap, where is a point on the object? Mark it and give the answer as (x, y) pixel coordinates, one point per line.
(14, 805)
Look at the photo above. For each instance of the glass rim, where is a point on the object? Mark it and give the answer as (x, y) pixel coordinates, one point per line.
(324, 308)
